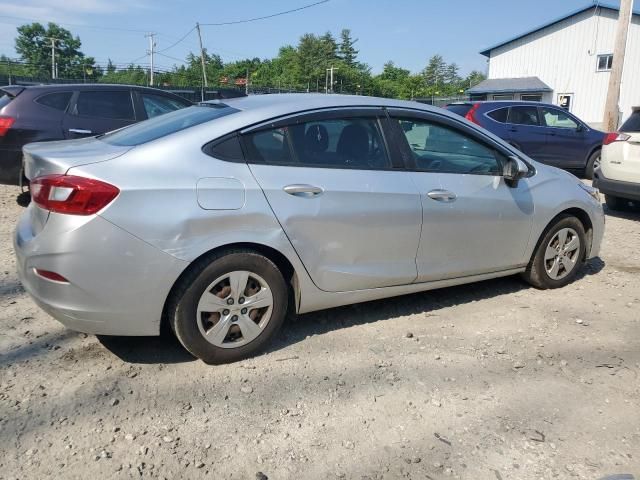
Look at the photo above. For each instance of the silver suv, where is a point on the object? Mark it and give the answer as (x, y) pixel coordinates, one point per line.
(219, 218)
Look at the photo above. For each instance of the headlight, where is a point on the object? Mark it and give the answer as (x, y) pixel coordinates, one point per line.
(592, 191)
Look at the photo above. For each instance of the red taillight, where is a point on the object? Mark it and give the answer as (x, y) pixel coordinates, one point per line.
(56, 277)
(471, 114)
(5, 125)
(72, 195)
(615, 137)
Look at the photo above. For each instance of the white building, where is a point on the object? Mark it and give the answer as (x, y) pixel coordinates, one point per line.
(567, 62)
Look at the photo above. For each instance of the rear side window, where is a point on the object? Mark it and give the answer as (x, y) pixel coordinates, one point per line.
(332, 143)
(57, 100)
(632, 124)
(524, 116)
(105, 104)
(499, 115)
(226, 148)
(4, 99)
(460, 109)
(437, 148)
(155, 105)
(167, 124)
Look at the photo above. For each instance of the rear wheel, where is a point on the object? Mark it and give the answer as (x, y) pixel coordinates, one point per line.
(559, 254)
(615, 203)
(592, 164)
(229, 306)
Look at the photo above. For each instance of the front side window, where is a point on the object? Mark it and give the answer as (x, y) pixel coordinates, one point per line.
(524, 116)
(605, 62)
(437, 148)
(57, 100)
(105, 104)
(332, 143)
(558, 119)
(155, 105)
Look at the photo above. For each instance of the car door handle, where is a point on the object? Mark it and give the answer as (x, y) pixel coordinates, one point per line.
(80, 131)
(442, 196)
(302, 190)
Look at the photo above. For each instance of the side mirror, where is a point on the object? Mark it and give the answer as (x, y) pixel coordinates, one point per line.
(514, 170)
(579, 128)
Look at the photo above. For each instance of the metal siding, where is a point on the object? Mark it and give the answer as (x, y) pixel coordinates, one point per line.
(564, 56)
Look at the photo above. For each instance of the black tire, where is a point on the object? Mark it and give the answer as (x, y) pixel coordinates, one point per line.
(183, 303)
(593, 159)
(536, 273)
(616, 203)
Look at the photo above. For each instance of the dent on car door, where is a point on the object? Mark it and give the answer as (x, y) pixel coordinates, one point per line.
(94, 112)
(353, 220)
(473, 222)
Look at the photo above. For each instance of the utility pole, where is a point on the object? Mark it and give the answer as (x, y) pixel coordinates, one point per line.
(611, 108)
(246, 84)
(54, 69)
(328, 77)
(152, 46)
(204, 71)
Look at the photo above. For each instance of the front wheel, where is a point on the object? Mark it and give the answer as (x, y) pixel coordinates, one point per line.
(228, 307)
(592, 164)
(559, 254)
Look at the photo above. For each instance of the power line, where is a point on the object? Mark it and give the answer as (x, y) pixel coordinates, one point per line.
(179, 41)
(254, 19)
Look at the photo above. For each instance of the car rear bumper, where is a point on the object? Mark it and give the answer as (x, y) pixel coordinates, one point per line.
(10, 165)
(117, 283)
(616, 188)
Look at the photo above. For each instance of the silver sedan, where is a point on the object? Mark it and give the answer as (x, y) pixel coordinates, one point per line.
(220, 218)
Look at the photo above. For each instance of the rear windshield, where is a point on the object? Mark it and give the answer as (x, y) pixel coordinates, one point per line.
(460, 109)
(632, 124)
(162, 125)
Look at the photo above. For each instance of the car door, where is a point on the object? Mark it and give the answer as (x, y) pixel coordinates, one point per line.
(350, 211)
(525, 131)
(567, 143)
(473, 223)
(94, 112)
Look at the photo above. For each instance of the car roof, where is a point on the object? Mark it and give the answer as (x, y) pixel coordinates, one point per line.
(299, 102)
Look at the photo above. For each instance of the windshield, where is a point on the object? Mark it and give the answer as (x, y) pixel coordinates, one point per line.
(169, 123)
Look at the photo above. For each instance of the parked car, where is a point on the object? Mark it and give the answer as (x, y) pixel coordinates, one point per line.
(619, 174)
(546, 133)
(57, 112)
(219, 218)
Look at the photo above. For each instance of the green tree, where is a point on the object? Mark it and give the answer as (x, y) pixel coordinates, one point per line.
(434, 72)
(346, 50)
(33, 44)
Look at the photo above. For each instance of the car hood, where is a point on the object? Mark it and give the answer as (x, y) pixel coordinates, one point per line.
(46, 158)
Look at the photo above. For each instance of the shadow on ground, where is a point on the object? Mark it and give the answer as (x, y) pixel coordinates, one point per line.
(166, 348)
(630, 213)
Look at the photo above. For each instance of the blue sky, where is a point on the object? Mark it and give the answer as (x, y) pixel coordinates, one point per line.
(406, 31)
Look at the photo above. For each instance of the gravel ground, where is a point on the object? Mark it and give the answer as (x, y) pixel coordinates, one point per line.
(494, 380)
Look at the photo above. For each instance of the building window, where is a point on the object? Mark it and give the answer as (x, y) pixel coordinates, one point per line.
(605, 62)
(503, 97)
(531, 97)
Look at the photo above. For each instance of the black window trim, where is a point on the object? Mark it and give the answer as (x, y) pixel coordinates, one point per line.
(332, 113)
(73, 111)
(208, 148)
(507, 108)
(53, 92)
(455, 124)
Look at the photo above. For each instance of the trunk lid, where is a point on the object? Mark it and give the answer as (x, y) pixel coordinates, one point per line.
(47, 158)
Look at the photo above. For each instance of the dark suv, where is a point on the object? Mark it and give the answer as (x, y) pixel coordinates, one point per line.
(59, 112)
(547, 133)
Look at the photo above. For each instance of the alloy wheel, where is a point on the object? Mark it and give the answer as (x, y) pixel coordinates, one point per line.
(561, 255)
(234, 309)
